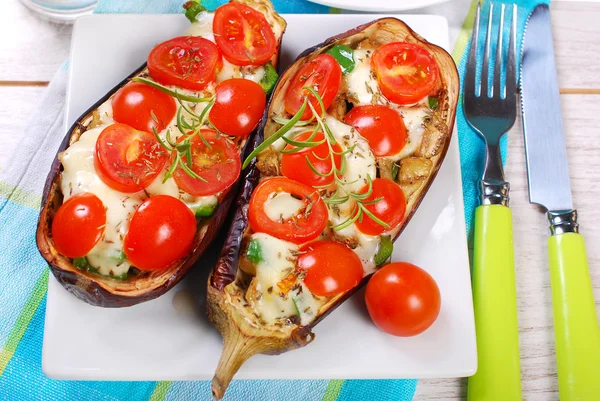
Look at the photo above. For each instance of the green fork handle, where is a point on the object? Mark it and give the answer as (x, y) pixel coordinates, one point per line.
(498, 376)
(576, 329)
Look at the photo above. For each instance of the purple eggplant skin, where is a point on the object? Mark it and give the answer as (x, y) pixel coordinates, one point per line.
(242, 339)
(107, 292)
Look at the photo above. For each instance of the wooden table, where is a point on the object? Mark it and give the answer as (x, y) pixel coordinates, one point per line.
(31, 50)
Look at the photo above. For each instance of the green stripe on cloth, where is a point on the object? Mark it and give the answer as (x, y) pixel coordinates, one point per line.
(333, 390)
(20, 196)
(160, 391)
(465, 33)
(33, 302)
(334, 10)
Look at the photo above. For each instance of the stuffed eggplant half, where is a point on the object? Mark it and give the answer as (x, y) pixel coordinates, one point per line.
(145, 178)
(354, 135)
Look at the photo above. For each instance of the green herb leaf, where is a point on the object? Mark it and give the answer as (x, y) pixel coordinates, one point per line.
(192, 9)
(395, 170)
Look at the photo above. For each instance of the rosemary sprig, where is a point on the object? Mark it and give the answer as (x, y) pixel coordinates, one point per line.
(174, 93)
(178, 149)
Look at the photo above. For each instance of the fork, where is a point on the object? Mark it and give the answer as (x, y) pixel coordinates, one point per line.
(491, 111)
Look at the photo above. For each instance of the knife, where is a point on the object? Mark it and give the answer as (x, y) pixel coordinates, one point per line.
(577, 333)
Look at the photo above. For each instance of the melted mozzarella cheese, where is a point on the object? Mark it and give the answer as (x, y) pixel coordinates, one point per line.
(282, 206)
(413, 120)
(230, 70)
(80, 176)
(278, 259)
(202, 27)
(361, 82)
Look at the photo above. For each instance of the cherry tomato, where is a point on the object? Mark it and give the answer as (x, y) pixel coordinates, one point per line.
(324, 75)
(331, 268)
(137, 105)
(189, 62)
(390, 208)
(382, 126)
(78, 225)
(160, 232)
(406, 72)
(127, 159)
(402, 299)
(306, 225)
(295, 166)
(219, 165)
(239, 105)
(243, 35)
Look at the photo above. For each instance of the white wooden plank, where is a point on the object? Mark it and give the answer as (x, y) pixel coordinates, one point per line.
(17, 105)
(31, 49)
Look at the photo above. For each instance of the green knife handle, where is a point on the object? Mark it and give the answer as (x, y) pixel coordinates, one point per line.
(498, 376)
(576, 327)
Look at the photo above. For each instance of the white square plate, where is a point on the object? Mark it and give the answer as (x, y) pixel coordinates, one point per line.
(170, 338)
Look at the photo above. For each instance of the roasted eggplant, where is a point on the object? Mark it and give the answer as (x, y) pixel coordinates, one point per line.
(190, 85)
(263, 296)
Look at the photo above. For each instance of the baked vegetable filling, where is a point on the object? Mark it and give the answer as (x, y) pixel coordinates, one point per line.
(344, 154)
(157, 158)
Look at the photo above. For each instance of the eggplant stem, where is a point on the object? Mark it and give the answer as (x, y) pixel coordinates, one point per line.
(237, 348)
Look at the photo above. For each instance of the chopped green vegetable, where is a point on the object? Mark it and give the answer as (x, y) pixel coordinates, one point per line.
(81, 263)
(192, 9)
(295, 306)
(432, 102)
(206, 210)
(270, 78)
(395, 170)
(120, 256)
(384, 252)
(344, 56)
(254, 253)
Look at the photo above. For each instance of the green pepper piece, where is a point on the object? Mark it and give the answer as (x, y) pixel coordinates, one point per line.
(206, 210)
(120, 256)
(386, 246)
(192, 9)
(295, 305)
(254, 253)
(344, 56)
(270, 78)
(81, 263)
(432, 101)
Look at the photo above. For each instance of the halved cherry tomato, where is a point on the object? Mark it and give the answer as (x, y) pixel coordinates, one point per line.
(78, 225)
(243, 35)
(239, 105)
(406, 72)
(331, 268)
(161, 232)
(324, 75)
(143, 107)
(127, 159)
(189, 62)
(219, 165)
(389, 209)
(306, 225)
(382, 126)
(402, 299)
(295, 166)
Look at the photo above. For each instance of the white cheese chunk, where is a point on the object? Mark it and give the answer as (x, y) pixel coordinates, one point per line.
(361, 81)
(282, 206)
(202, 27)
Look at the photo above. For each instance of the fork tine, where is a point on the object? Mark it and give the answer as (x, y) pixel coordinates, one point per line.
(496, 89)
(511, 66)
(486, 55)
(469, 85)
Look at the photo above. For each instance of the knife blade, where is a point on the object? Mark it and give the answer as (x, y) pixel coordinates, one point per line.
(546, 153)
(577, 334)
